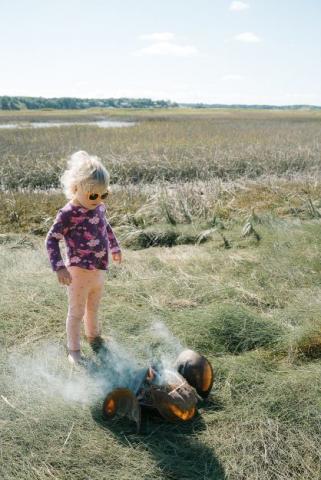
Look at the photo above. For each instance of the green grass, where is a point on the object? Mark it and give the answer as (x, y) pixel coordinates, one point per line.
(249, 308)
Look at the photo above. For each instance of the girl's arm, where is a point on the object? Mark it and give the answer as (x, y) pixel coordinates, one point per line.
(112, 240)
(55, 234)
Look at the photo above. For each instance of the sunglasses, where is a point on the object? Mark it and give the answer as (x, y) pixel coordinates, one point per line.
(94, 196)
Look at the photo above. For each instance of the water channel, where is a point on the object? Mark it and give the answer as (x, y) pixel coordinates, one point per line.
(97, 123)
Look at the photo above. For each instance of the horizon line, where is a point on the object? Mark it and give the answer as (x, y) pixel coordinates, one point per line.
(217, 104)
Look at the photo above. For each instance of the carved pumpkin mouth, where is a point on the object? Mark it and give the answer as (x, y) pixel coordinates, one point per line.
(175, 402)
(181, 414)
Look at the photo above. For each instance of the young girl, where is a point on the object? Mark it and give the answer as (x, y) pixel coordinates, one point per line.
(89, 238)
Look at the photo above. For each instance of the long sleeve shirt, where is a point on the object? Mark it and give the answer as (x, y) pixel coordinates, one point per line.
(87, 235)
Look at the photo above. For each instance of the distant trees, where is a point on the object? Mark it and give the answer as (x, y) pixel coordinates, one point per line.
(250, 107)
(69, 103)
(9, 103)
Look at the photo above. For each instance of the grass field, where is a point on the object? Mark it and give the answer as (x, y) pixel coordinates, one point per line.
(235, 273)
(175, 147)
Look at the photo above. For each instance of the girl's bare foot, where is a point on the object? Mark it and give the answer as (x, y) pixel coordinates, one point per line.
(75, 357)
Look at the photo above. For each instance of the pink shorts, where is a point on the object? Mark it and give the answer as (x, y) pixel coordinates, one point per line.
(84, 296)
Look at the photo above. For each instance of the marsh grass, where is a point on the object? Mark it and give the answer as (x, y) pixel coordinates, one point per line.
(172, 147)
(253, 308)
(200, 205)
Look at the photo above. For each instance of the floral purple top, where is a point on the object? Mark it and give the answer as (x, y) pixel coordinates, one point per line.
(88, 238)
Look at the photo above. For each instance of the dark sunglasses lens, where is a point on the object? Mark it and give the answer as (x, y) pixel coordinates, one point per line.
(93, 196)
(104, 195)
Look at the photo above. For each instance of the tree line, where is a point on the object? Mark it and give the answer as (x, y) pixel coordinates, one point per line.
(70, 103)
(250, 107)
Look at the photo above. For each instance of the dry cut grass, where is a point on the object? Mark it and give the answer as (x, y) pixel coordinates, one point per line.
(253, 309)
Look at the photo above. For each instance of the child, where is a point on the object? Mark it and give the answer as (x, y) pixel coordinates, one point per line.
(88, 238)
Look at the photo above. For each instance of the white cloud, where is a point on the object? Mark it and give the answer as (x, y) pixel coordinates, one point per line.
(232, 77)
(238, 6)
(247, 37)
(167, 48)
(163, 43)
(158, 37)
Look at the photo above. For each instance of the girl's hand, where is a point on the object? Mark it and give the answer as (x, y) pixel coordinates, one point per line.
(64, 276)
(117, 257)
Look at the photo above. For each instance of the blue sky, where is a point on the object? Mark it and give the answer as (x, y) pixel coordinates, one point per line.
(219, 51)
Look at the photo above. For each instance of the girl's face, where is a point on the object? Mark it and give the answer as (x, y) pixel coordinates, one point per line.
(90, 198)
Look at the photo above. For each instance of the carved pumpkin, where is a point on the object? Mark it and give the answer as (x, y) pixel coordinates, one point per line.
(197, 370)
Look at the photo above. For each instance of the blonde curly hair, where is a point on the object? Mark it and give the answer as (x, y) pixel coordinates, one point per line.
(85, 172)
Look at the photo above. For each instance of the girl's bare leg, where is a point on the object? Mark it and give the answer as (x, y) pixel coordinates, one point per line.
(96, 290)
(77, 296)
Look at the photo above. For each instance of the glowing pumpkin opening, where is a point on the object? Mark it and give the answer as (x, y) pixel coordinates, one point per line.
(207, 377)
(197, 370)
(110, 407)
(182, 414)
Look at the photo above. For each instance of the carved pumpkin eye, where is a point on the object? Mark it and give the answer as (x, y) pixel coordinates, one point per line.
(123, 403)
(207, 377)
(110, 407)
(197, 370)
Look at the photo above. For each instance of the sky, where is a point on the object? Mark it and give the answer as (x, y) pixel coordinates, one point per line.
(210, 51)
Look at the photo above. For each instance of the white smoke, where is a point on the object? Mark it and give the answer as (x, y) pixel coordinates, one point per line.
(165, 349)
(170, 344)
(46, 372)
